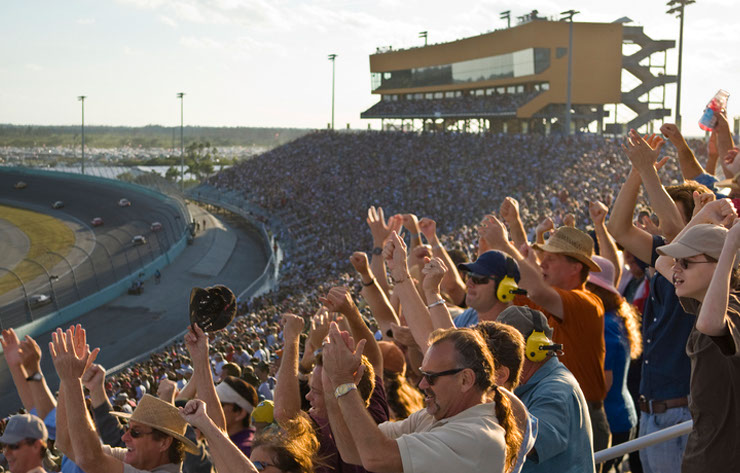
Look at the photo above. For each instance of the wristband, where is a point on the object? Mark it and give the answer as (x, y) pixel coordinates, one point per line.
(372, 281)
(436, 303)
(399, 281)
(377, 250)
(343, 389)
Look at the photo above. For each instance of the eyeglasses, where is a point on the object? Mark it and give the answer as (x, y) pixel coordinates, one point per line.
(478, 279)
(136, 433)
(432, 377)
(260, 466)
(684, 263)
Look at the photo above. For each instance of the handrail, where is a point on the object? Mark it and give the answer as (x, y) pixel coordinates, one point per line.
(645, 441)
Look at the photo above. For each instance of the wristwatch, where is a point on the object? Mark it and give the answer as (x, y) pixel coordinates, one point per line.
(377, 250)
(37, 376)
(343, 389)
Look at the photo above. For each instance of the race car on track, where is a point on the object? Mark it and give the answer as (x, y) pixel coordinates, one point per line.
(96, 222)
(124, 203)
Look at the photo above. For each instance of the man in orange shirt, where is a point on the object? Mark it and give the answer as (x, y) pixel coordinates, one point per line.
(556, 286)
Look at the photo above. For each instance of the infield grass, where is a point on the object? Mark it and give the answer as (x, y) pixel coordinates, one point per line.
(45, 234)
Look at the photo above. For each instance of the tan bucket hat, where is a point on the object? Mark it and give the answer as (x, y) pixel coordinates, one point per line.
(571, 242)
(162, 416)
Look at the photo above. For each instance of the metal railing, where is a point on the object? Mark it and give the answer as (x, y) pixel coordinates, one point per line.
(642, 442)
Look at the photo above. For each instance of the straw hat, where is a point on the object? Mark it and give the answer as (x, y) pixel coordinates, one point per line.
(571, 242)
(162, 416)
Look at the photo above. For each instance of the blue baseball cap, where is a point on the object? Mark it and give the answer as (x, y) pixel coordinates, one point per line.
(493, 263)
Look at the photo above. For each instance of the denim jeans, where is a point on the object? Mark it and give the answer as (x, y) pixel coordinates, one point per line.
(663, 457)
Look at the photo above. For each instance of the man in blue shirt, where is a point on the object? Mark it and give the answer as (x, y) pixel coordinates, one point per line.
(483, 278)
(552, 395)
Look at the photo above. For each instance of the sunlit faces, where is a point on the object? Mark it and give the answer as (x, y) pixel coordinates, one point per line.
(691, 276)
(23, 456)
(480, 297)
(143, 449)
(557, 269)
(442, 397)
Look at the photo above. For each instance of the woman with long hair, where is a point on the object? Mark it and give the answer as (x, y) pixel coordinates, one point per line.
(623, 341)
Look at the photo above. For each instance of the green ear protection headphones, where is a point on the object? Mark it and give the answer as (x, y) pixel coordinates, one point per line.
(507, 287)
(538, 345)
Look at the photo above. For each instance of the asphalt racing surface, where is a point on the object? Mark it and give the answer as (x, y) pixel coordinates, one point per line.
(132, 325)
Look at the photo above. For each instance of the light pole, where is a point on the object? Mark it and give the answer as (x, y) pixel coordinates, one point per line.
(180, 96)
(568, 16)
(332, 58)
(424, 34)
(82, 98)
(506, 15)
(677, 7)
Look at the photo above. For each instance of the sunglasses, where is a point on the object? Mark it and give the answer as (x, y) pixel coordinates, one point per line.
(432, 377)
(18, 445)
(260, 466)
(478, 279)
(684, 263)
(135, 433)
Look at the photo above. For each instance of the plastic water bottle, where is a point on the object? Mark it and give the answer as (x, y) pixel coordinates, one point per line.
(708, 120)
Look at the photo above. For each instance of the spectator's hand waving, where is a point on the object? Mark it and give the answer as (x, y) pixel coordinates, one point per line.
(292, 327)
(30, 355)
(196, 342)
(342, 358)
(428, 228)
(433, 273)
(360, 263)
(69, 363)
(394, 254)
(195, 414)
(509, 210)
(378, 226)
(338, 300)
(494, 232)
(597, 211)
(319, 327)
(11, 347)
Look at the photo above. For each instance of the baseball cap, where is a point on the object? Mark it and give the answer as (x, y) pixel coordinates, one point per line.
(702, 239)
(23, 426)
(264, 412)
(492, 263)
(523, 318)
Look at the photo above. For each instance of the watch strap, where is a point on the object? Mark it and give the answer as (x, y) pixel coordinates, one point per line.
(343, 389)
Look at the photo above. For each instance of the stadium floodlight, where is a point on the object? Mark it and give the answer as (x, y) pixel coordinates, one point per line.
(424, 34)
(332, 58)
(180, 96)
(677, 7)
(82, 98)
(506, 15)
(568, 16)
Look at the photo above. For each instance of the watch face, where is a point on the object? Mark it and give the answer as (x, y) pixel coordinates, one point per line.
(377, 250)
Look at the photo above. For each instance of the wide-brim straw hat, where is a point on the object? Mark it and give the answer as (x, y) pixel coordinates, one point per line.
(162, 416)
(571, 242)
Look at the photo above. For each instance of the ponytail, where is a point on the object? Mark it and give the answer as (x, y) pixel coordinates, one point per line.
(512, 435)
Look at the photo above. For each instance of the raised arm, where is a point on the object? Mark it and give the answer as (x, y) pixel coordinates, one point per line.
(687, 162)
(376, 298)
(411, 223)
(71, 357)
(643, 155)
(607, 246)
(380, 230)
(545, 226)
(434, 272)
(340, 300)
(414, 310)
(226, 457)
(724, 138)
(12, 351)
(452, 283)
(287, 390)
(712, 319)
(621, 227)
(341, 362)
(196, 342)
(510, 213)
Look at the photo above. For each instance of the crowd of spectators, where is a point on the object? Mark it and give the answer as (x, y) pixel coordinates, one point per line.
(467, 105)
(321, 186)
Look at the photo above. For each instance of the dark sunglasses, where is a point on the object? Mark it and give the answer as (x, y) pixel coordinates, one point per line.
(16, 446)
(478, 279)
(684, 263)
(432, 377)
(260, 466)
(135, 433)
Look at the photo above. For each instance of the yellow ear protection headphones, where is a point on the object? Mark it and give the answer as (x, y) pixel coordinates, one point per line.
(538, 345)
(507, 287)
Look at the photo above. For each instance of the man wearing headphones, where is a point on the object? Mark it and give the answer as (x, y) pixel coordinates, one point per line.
(491, 286)
(551, 394)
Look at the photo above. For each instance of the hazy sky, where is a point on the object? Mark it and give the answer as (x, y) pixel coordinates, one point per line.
(264, 62)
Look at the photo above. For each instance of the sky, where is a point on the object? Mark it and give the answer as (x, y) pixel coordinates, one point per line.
(263, 63)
